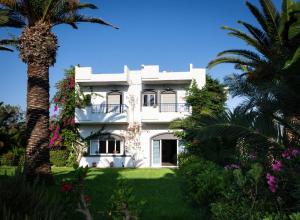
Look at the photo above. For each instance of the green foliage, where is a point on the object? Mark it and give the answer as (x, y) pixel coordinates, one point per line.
(292, 216)
(123, 203)
(202, 180)
(208, 100)
(12, 128)
(24, 200)
(59, 157)
(15, 157)
(64, 130)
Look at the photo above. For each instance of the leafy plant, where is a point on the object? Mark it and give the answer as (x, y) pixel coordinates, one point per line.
(124, 204)
(28, 200)
(58, 157)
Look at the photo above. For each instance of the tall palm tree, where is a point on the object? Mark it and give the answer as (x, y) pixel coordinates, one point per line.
(38, 46)
(275, 41)
(271, 69)
(9, 19)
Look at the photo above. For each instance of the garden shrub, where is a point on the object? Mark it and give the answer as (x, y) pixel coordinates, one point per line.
(13, 157)
(58, 157)
(123, 203)
(28, 200)
(203, 180)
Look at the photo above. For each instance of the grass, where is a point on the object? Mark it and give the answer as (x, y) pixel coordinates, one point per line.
(160, 188)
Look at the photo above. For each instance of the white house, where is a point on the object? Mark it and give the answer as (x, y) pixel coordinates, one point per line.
(131, 112)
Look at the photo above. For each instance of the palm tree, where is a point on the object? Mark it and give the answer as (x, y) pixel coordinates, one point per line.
(9, 19)
(275, 41)
(38, 46)
(270, 79)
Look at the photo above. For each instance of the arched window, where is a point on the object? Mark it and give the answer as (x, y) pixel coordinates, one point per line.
(107, 144)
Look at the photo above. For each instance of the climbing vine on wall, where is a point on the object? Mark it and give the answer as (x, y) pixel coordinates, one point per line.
(64, 132)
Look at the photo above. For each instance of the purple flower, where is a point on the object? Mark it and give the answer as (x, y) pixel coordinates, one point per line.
(289, 153)
(271, 180)
(277, 165)
(55, 108)
(294, 152)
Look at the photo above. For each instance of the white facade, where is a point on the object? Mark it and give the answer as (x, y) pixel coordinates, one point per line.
(131, 112)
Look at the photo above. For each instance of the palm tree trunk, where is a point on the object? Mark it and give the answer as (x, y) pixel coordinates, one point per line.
(37, 162)
(38, 47)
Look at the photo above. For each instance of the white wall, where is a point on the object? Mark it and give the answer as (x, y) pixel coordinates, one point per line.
(132, 84)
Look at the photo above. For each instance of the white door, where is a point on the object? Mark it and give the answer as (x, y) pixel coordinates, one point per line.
(156, 153)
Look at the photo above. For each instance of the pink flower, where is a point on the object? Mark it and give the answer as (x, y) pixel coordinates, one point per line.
(277, 165)
(289, 153)
(271, 180)
(55, 108)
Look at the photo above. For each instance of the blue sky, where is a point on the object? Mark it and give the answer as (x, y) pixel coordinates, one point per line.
(169, 33)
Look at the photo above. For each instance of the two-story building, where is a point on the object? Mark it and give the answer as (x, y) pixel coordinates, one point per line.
(131, 112)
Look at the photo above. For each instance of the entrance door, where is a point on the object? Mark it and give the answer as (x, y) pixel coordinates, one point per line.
(169, 152)
(156, 153)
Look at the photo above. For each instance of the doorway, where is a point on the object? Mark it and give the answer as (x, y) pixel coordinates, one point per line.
(169, 152)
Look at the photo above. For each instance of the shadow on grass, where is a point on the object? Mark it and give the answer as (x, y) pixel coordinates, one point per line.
(160, 188)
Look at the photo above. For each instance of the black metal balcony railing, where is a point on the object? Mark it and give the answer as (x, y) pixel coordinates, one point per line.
(174, 107)
(109, 108)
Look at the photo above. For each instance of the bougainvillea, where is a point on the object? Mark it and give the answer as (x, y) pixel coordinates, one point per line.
(64, 132)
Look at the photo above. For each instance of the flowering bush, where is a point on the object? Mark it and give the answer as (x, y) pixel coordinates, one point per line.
(64, 132)
(73, 192)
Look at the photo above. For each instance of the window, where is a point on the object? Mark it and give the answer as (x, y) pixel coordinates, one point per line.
(149, 99)
(114, 102)
(94, 147)
(106, 145)
(168, 101)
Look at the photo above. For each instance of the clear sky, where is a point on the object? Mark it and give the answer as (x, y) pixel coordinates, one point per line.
(169, 33)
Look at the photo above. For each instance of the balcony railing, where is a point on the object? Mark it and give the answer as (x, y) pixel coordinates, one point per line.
(174, 107)
(109, 108)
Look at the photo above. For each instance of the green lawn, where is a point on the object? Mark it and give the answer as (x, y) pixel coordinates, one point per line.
(160, 188)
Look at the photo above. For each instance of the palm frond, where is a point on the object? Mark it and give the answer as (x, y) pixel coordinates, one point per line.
(5, 49)
(248, 39)
(256, 33)
(8, 18)
(77, 18)
(273, 19)
(234, 60)
(258, 15)
(244, 53)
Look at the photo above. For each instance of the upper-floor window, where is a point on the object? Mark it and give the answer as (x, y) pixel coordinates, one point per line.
(114, 102)
(149, 98)
(106, 145)
(168, 101)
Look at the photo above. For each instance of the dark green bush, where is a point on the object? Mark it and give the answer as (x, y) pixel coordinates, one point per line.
(13, 157)
(58, 157)
(203, 181)
(21, 200)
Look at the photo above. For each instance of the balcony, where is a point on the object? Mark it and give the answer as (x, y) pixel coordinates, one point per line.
(165, 112)
(103, 113)
(174, 107)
